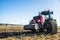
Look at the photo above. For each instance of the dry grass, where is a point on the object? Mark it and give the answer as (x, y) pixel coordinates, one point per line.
(24, 37)
(58, 26)
(11, 29)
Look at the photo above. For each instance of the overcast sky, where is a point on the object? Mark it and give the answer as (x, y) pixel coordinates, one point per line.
(22, 11)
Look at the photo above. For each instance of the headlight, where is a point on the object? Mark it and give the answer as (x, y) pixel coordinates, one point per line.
(38, 20)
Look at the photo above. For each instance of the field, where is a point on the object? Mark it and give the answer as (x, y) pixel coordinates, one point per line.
(26, 36)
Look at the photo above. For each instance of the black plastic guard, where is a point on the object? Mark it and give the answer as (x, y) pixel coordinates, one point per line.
(29, 27)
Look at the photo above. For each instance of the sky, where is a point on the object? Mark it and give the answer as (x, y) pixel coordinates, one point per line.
(22, 11)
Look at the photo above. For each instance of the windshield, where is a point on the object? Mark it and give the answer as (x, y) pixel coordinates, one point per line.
(47, 16)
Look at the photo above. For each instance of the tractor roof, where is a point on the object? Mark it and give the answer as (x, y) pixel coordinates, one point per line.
(46, 12)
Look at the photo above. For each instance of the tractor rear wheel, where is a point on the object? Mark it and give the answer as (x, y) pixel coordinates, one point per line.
(52, 26)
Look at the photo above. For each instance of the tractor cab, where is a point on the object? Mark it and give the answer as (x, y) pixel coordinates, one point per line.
(47, 14)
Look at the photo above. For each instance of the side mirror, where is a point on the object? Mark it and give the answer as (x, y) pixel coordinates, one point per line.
(52, 12)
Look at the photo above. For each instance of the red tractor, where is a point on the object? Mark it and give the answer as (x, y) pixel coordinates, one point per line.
(43, 22)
